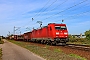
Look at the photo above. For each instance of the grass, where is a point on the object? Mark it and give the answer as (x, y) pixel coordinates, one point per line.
(57, 50)
(1, 42)
(45, 52)
(79, 57)
(0, 54)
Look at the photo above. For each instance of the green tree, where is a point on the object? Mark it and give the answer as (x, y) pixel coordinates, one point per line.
(87, 33)
(70, 36)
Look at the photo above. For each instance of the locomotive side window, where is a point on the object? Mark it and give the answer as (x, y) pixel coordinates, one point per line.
(50, 28)
(60, 27)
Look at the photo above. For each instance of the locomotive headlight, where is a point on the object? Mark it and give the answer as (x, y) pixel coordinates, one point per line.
(65, 33)
(66, 36)
(57, 32)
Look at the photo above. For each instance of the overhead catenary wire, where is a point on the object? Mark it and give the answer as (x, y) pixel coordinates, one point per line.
(82, 13)
(41, 8)
(80, 7)
(73, 16)
(77, 9)
(46, 8)
(37, 13)
(65, 9)
(59, 5)
(56, 6)
(71, 7)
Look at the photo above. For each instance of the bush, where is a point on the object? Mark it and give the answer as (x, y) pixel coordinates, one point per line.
(77, 39)
(87, 33)
(1, 42)
(0, 53)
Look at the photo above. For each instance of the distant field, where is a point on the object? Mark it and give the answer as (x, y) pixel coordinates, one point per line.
(79, 41)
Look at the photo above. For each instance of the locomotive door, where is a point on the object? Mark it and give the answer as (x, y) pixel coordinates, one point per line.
(49, 32)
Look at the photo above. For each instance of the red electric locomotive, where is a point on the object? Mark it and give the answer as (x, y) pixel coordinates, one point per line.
(51, 34)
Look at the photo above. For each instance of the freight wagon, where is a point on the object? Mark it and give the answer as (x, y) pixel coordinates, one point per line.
(18, 37)
(27, 36)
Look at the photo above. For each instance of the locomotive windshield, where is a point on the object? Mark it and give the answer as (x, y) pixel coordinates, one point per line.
(60, 27)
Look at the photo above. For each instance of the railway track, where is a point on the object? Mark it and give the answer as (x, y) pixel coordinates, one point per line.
(71, 46)
(74, 46)
(79, 47)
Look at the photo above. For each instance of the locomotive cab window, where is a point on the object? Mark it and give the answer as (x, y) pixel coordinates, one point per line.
(60, 27)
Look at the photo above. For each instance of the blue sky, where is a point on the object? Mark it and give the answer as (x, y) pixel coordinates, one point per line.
(19, 13)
